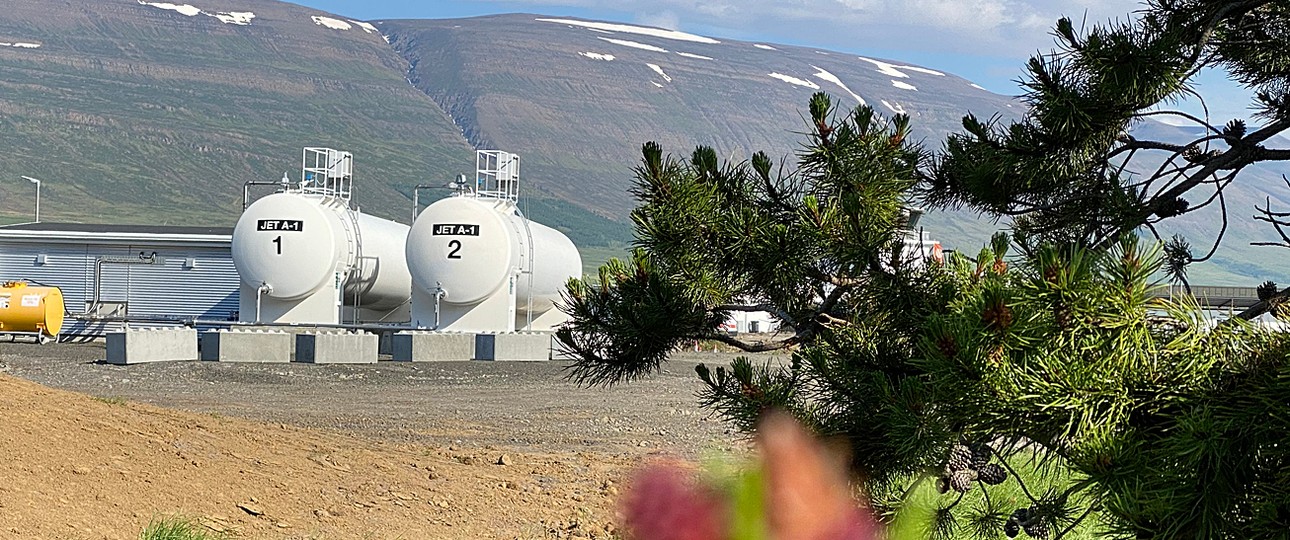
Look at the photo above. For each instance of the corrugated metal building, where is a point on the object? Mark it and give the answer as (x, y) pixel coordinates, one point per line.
(138, 271)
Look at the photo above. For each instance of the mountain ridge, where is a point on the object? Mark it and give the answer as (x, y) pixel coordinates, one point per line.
(155, 112)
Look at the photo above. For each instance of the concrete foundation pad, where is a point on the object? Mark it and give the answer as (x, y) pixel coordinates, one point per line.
(337, 348)
(267, 346)
(513, 347)
(423, 346)
(141, 345)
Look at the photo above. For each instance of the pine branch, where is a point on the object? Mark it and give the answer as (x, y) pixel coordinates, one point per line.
(1075, 523)
(764, 346)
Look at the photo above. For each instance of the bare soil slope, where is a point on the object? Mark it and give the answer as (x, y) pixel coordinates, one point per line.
(83, 467)
(345, 451)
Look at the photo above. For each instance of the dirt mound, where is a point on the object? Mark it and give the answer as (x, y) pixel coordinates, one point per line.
(81, 467)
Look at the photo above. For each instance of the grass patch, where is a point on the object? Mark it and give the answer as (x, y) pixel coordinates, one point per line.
(177, 528)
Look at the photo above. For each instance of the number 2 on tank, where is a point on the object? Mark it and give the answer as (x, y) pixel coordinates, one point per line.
(278, 242)
(455, 245)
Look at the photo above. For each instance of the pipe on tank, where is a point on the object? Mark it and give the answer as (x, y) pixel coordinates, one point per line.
(260, 291)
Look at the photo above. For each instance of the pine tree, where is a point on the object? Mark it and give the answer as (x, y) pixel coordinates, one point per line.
(1071, 171)
(1026, 392)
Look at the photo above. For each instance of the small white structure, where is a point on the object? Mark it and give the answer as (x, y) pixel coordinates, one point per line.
(478, 265)
(305, 255)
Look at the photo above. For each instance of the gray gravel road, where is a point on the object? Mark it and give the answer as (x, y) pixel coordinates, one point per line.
(525, 406)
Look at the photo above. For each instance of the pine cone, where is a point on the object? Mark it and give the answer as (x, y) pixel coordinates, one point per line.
(1234, 129)
(961, 481)
(1037, 528)
(1173, 208)
(1011, 528)
(997, 317)
(992, 474)
(1063, 317)
(1193, 154)
(997, 355)
(948, 347)
(960, 458)
(981, 454)
(1051, 273)
(1267, 290)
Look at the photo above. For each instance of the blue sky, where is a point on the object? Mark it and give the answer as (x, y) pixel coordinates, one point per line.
(986, 41)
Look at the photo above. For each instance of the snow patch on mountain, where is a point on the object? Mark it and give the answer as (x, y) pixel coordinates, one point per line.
(794, 80)
(182, 9)
(897, 108)
(978, 87)
(367, 27)
(20, 45)
(904, 85)
(698, 56)
(764, 47)
(334, 24)
(597, 56)
(825, 75)
(659, 70)
(240, 18)
(630, 29)
(656, 83)
(923, 70)
(895, 70)
(634, 44)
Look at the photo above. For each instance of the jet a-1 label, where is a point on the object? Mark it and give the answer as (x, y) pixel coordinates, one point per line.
(455, 229)
(289, 225)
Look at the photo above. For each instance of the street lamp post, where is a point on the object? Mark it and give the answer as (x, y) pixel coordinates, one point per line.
(37, 182)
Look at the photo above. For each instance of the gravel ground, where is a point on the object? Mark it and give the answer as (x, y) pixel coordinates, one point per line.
(525, 406)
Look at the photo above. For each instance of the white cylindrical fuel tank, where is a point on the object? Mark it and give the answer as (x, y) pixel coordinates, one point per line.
(469, 248)
(296, 243)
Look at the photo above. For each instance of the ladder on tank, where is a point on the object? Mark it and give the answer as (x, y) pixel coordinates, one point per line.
(353, 241)
(497, 176)
(330, 173)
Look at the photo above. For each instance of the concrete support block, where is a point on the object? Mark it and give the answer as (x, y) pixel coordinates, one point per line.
(423, 346)
(557, 353)
(140, 345)
(337, 348)
(247, 346)
(513, 347)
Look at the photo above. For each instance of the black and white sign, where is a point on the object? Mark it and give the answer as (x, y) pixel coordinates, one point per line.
(289, 225)
(455, 229)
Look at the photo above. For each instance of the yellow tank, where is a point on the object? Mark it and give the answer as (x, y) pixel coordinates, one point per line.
(30, 309)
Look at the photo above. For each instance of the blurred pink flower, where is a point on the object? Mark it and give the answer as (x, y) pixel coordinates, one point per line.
(664, 504)
(808, 496)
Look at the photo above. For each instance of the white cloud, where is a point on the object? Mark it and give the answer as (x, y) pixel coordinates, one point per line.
(666, 19)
